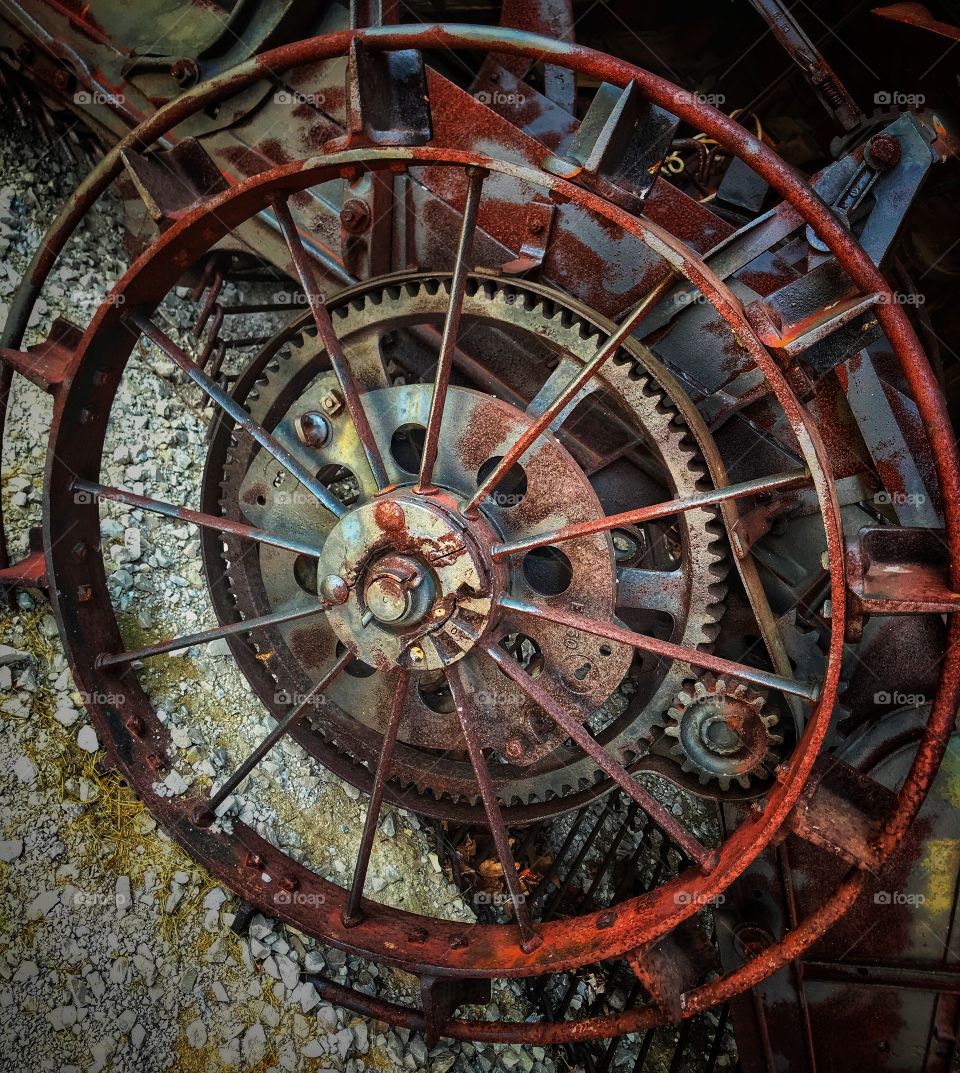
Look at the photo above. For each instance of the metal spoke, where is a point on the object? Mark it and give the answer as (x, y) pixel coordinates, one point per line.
(654, 511)
(331, 343)
(529, 939)
(353, 914)
(112, 659)
(237, 413)
(577, 382)
(572, 727)
(451, 329)
(205, 814)
(194, 517)
(807, 690)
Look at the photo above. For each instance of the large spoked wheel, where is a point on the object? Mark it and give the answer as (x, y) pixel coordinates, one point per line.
(416, 575)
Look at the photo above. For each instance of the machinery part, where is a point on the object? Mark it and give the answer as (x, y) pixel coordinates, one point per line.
(280, 387)
(722, 732)
(80, 592)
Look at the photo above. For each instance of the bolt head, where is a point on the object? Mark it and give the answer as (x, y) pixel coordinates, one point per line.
(334, 589)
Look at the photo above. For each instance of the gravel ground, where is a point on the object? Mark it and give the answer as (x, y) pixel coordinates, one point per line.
(115, 948)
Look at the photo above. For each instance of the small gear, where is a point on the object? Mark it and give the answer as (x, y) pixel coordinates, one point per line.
(722, 732)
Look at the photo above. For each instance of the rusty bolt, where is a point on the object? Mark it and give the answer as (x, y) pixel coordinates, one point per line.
(751, 940)
(332, 402)
(514, 748)
(334, 589)
(606, 920)
(417, 654)
(254, 860)
(313, 429)
(355, 215)
(418, 936)
(185, 72)
(883, 152)
(63, 81)
(25, 52)
(536, 227)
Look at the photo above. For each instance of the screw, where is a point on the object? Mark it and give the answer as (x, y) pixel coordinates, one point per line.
(332, 402)
(185, 72)
(313, 429)
(355, 215)
(514, 748)
(883, 152)
(536, 227)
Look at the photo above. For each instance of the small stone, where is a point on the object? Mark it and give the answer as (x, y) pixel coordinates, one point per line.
(254, 1044)
(43, 905)
(11, 850)
(24, 770)
(123, 896)
(196, 1034)
(87, 739)
(12, 655)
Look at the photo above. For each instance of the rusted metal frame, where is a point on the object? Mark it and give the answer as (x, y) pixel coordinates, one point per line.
(650, 513)
(904, 343)
(576, 384)
(236, 412)
(451, 329)
(114, 659)
(205, 814)
(917, 15)
(828, 87)
(184, 514)
(529, 938)
(354, 914)
(665, 649)
(705, 858)
(30, 572)
(328, 336)
(730, 135)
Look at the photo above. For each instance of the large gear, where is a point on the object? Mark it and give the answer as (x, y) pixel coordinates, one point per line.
(287, 380)
(722, 733)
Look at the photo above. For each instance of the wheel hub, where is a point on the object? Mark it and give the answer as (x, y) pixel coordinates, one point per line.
(421, 584)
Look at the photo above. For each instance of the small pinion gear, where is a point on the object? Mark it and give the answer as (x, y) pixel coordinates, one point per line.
(722, 732)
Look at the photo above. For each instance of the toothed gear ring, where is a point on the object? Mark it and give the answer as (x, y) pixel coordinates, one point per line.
(722, 732)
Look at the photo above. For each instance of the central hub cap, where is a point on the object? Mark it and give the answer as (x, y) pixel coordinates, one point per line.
(399, 590)
(420, 582)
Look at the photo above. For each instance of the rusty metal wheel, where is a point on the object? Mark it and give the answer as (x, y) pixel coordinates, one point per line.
(415, 572)
(416, 575)
(522, 335)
